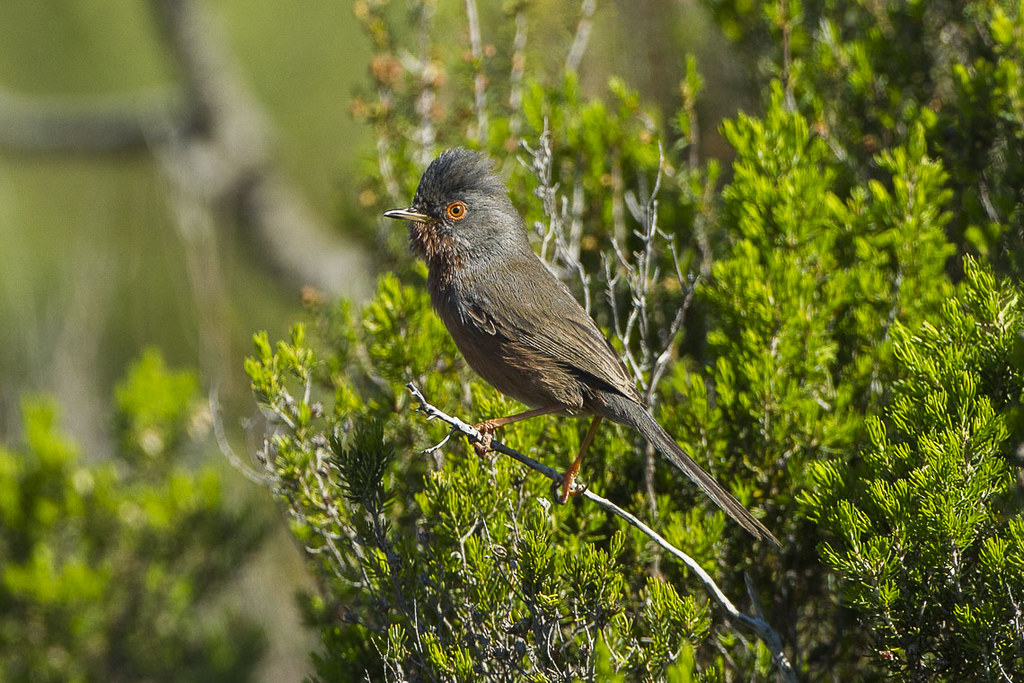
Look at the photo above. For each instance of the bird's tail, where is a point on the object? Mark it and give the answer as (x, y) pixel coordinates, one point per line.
(625, 411)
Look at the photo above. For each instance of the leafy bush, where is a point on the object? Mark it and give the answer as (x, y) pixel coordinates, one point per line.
(868, 73)
(796, 319)
(108, 566)
(926, 535)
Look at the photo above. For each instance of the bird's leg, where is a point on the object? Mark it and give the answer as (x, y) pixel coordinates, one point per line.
(568, 479)
(487, 427)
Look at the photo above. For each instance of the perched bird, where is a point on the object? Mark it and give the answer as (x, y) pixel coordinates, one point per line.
(517, 325)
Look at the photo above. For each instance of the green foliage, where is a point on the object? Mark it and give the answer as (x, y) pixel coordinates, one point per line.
(799, 329)
(798, 347)
(803, 303)
(869, 73)
(925, 531)
(153, 406)
(108, 567)
(463, 570)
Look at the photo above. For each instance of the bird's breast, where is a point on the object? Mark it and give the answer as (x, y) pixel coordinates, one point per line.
(499, 356)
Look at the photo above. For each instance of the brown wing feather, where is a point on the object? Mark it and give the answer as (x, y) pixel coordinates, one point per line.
(523, 309)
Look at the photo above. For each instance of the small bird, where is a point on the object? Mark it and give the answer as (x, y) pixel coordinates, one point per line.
(518, 326)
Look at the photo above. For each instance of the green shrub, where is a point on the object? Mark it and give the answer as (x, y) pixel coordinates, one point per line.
(108, 566)
(797, 319)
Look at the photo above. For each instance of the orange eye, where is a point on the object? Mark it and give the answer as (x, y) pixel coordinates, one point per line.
(456, 211)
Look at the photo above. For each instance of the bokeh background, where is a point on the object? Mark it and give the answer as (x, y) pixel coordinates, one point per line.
(107, 249)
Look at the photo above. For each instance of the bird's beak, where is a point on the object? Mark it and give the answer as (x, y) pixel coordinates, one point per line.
(409, 214)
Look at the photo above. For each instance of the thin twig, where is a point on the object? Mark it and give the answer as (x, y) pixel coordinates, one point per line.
(761, 628)
(515, 78)
(432, 412)
(479, 80)
(440, 444)
(565, 242)
(582, 36)
(225, 445)
(426, 128)
(786, 27)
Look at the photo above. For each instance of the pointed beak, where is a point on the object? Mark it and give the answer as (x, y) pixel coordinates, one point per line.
(409, 214)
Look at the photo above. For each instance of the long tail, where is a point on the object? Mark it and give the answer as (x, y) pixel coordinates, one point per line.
(628, 412)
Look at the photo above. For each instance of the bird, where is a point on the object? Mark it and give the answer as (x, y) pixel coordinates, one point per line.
(518, 326)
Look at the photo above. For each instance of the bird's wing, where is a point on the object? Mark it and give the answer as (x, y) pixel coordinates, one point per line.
(534, 307)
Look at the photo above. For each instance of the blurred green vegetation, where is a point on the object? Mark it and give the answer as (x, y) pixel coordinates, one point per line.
(111, 567)
(90, 240)
(93, 269)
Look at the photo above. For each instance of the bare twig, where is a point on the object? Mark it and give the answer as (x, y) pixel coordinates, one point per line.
(229, 154)
(247, 471)
(560, 246)
(479, 80)
(426, 129)
(582, 36)
(761, 628)
(638, 274)
(515, 78)
(195, 224)
(786, 27)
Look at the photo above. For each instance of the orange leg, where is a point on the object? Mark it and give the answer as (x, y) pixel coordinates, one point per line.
(487, 427)
(570, 475)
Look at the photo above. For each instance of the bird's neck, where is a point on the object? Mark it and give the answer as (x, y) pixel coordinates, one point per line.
(439, 250)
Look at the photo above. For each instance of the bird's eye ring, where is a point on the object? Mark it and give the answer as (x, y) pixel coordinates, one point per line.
(456, 211)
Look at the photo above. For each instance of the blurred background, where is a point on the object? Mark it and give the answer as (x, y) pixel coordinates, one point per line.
(173, 187)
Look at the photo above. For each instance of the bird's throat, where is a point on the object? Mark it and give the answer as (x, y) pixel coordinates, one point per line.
(438, 249)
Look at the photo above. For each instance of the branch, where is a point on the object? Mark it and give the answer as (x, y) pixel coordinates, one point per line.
(229, 154)
(515, 78)
(209, 138)
(566, 242)
(761, 628)
(224, 444)
(101, 125)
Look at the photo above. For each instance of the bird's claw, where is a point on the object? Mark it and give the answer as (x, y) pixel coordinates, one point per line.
(569, 487)
(482, 446)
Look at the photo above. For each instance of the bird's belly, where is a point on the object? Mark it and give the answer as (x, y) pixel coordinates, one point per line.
(516, 370)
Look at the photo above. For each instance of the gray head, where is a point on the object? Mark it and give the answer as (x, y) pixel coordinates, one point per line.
(461, 212)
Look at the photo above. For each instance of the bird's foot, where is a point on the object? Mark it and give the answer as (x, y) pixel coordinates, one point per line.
(569, 487)
(482, 446)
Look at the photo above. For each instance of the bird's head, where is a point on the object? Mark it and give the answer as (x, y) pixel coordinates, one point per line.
(462, 212)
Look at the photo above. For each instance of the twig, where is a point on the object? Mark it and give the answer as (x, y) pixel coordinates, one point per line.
(515, 78)
(582, 36)
(640, 276)
(786, 27)
(425, 134)
(761, 628)
(432, 412)
(564, 259)
(479, 80)
(225, 445)
(428, 72)
(440, 444)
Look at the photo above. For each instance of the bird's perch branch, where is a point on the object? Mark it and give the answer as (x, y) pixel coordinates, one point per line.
(756, 623)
